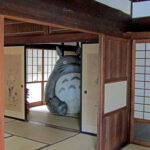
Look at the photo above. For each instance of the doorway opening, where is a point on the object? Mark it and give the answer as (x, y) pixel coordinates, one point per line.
(38, 48)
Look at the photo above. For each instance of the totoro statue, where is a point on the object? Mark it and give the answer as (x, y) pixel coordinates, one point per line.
(62, 92)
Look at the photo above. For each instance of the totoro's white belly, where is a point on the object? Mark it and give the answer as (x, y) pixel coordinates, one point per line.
(67, 89)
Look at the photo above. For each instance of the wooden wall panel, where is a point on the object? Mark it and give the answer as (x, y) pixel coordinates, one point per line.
(115, 129)
(115, 58)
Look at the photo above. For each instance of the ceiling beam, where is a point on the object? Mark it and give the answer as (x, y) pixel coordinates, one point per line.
(86, 15)
(53, 38)
(140, 24)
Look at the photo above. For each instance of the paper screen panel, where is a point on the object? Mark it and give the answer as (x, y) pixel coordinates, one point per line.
(89, 87)
(142, 82)
(115, 96)
(14, 82)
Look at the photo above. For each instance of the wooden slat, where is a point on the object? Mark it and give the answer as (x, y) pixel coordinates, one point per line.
(75, 37)
(86, 15)
(1, 83)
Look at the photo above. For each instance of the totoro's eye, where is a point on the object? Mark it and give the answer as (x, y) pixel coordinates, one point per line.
(64, 62)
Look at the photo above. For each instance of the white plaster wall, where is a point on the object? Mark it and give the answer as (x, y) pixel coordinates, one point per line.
(123, 5)
(141, 9)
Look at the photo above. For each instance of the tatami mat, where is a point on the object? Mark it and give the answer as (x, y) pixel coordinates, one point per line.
(38, 133)
(37, 115)
(6, 120)
(79, 142)
(7, 135)
(17, 143)
(135, 147)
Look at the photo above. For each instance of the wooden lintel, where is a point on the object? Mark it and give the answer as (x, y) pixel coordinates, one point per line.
(1, 83)
(75, 37)
(86, 15)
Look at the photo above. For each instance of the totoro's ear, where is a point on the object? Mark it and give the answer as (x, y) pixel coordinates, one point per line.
(78, 51)
(59, 52)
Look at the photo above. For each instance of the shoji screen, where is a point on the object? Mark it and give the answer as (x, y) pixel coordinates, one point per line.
(142, 81)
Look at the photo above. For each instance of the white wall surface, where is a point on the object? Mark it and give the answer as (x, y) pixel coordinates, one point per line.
(141, 9)
(123, 5)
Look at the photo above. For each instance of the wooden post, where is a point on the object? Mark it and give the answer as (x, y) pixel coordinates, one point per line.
(101, 93)
(1, 83)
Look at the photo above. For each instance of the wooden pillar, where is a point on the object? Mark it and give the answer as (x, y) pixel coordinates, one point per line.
(101, 93)
(1, 83)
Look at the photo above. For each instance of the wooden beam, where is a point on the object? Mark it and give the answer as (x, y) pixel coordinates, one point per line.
(1, 83)
(140, 24)
(86, 15)
(75, 37)
(137, 35)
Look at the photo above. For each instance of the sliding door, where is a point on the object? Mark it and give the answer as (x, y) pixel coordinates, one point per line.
(89, 88)
(140, 131)
(14, 82)
(114, 93)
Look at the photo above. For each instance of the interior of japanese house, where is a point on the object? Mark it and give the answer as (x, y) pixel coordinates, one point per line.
(75, 75)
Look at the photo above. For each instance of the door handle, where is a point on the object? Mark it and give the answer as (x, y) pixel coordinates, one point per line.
(85, 92)
(21, 85)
